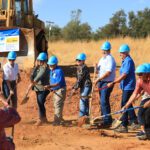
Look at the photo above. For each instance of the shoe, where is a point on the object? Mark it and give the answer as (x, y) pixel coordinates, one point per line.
(56, 123)
(141, 135)
(104, 125)
(44, 120)
(134, 126)
(122, 129)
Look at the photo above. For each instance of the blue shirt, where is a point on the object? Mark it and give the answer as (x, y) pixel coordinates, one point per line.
(128, 68)
(57, 77)
(106, 64)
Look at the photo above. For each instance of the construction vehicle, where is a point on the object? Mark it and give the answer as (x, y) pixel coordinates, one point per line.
(21, 31)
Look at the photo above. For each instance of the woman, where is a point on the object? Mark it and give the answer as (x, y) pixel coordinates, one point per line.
(142, 85)
(83, 83)
(40, 78)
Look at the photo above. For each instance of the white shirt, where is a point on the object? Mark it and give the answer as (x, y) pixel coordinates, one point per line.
(106, 64)
(10, 73)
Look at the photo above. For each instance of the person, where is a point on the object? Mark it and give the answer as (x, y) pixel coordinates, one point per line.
(143, 84)
(8, 118)
(84, 84)
(127, 84)
(58, 87)
(106, 69)
(11, 78)
(40, 78)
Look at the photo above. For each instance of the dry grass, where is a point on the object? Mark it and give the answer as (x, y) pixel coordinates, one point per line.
(67, 51)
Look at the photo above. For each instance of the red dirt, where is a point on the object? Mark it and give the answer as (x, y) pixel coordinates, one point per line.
(70, 137)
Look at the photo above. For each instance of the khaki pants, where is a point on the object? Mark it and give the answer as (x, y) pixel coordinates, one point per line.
(58, 100)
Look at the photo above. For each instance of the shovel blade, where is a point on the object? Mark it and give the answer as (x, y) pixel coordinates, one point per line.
(83, 120)
(116, 123)
(25, 100)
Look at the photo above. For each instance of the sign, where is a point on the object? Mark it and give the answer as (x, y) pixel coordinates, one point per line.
(9, 40)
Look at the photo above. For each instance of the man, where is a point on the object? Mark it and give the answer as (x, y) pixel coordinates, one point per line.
(106, 73)
(8, 118)
(142, 85)
(11, 77)
(58, 86)
(127, 84)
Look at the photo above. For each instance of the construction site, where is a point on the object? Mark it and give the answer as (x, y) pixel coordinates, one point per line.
(21, 31)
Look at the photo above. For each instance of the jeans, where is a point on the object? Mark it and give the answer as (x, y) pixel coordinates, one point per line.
(141, 112)
(104, 101)
(6, 92)
(131, 114)
(84, 102)
(41, 98)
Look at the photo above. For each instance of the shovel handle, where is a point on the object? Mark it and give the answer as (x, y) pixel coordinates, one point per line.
(105, 87)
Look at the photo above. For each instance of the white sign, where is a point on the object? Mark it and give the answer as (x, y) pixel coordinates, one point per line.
(9, 40)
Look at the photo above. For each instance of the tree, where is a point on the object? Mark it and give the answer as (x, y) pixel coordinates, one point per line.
(116, 26)
(74, 30)
(54, 33)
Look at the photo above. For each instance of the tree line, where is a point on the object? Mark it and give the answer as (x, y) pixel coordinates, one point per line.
(132, 24)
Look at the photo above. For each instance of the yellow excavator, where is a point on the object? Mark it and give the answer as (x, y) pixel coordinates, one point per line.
(21, 31)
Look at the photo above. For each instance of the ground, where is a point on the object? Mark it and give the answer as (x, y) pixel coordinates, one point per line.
(68, 137)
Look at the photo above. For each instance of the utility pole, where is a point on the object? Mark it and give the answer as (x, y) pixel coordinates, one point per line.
(50, 24)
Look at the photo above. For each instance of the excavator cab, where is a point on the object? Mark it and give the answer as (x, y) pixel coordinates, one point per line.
(21, 31)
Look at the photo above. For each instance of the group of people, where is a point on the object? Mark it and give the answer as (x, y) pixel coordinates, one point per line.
(131, 89)
(48, 77)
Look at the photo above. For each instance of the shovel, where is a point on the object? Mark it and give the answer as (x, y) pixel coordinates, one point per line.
(85, 119)
(117, 122)
(26, 98)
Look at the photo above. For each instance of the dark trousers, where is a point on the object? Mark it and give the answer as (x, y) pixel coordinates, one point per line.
(104, 101)
(131, 114)
(6, 92)
(41, 98)
(142, 112)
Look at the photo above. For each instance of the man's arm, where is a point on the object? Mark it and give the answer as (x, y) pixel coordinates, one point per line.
(103, 77)
(118, 80)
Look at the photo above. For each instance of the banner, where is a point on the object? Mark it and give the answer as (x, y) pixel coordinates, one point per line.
(9, 40)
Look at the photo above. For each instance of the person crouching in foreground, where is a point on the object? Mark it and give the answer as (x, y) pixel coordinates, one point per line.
(8, 118)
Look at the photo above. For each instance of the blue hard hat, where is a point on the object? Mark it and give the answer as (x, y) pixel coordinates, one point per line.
(141, 69)
(42, 56)
(124, 48)
(147, 65)
(106, 46)
(81, 56)
(52, 60)
(12, 55)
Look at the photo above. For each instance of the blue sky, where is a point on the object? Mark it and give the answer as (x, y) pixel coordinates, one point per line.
(95, 12)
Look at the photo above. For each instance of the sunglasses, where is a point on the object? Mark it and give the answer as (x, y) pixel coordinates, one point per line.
(11, 59)
(140, 74)
(78, 60)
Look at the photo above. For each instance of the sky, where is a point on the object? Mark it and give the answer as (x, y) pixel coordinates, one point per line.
(95, 12)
